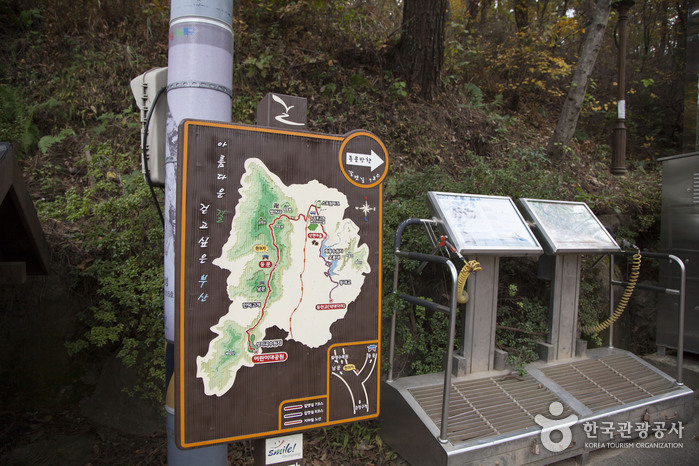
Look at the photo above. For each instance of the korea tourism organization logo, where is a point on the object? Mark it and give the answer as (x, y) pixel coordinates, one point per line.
(549, 426)
(606, 434)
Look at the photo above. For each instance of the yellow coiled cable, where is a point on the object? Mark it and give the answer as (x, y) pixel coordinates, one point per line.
(621, 306)
(466, 270)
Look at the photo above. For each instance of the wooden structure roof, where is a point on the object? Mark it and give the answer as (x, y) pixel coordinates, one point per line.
(23, 247)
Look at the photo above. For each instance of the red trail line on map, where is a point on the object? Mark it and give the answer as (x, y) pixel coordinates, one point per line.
(269, 280)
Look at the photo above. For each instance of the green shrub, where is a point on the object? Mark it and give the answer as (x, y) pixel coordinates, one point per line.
(523, 323)
(120, 236)
(17, 118)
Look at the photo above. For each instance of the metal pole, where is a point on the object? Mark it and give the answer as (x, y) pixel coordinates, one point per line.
(680, 317)
(392, 341)
(619, 144)
(200, 81)
(444, 428)
(611, 299)
(682, 304)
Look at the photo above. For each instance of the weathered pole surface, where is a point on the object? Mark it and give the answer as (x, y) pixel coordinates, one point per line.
(619, 143)
(200, 81)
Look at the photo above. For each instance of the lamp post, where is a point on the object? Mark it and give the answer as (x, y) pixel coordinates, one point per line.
(619, 143)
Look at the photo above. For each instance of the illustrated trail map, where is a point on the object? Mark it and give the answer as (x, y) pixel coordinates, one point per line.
(298, 271)
(278, 277)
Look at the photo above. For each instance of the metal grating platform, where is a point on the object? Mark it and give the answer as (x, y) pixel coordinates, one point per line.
(492, 417)
(487, 407)
(610, 381)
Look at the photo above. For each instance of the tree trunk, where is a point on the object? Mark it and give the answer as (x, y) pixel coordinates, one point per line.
(521, 8)
(568, 119)
(485, 7)
(421, 49)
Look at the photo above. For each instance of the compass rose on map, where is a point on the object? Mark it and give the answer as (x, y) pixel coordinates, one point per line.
(366, 208)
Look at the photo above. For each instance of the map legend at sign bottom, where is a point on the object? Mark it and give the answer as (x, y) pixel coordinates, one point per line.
(306, 412)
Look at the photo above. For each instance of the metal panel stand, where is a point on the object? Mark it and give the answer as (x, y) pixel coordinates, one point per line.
(478, 343)
(563, 310)
(472, 414)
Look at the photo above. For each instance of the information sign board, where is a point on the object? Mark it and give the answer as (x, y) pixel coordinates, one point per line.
(489, 225)
(278, 258)
(568, 227)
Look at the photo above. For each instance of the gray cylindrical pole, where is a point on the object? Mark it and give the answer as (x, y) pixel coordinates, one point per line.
(200, 80)
(611, 299)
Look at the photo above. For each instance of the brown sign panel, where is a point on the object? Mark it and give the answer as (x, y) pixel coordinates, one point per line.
(282, 111)
(278, 281)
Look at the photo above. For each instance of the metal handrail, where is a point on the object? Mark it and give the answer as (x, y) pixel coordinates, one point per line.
(671, 291)
(430, 305)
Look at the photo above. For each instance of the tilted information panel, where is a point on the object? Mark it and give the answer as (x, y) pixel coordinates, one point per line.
(488, 225)
(568, 227)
